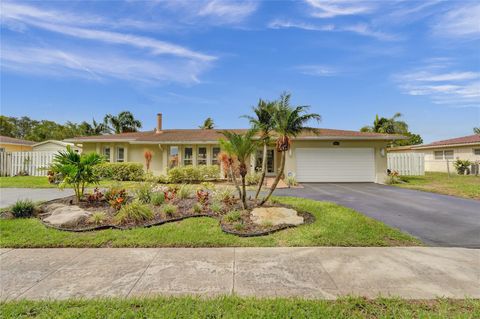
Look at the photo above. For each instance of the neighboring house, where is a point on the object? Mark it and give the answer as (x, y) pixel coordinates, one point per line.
(10, 144)
(54, 146)
(322, 156)
(439, 154)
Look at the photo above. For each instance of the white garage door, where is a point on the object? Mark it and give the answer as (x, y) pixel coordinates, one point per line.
(335, 164)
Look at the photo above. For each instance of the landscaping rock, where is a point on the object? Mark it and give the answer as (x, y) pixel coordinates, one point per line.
(65, 215)
(275, 216)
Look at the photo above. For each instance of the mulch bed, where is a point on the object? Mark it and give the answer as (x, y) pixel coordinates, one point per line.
(243, 227)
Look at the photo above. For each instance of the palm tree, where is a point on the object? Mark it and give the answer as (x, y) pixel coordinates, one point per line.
(263, 122)
(241, 146)
(289, 122)
(387, 125)
(122, 123)
(208, 124)
(98, 128)
(476, 130)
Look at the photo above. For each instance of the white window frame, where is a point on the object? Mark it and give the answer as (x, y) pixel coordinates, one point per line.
(170, 158)
(104, 153)
(187, 161)
(444, 155)
(214, 160)
(118, 159)
(204, 160)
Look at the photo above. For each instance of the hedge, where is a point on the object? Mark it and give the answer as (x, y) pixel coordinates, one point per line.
(192, 173)
(120, 171)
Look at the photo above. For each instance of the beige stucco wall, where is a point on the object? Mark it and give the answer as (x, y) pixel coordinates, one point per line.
(15, 147)
(52, 147)
(459, 152)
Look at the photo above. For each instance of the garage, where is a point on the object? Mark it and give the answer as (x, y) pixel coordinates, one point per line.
(335, 164)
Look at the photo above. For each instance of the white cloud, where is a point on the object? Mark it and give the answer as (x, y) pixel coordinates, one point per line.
(460, 22)
(285, 24)
(316, 70)
(229, 11)
(441, 85)
(333, 8)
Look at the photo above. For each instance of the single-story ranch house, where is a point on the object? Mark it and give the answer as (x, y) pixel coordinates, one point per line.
(323, 156)
(439, 154)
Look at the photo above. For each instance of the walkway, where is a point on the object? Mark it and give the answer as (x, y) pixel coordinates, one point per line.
(319, 272)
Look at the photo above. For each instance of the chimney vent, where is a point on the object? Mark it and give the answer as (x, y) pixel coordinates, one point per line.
(159, 122)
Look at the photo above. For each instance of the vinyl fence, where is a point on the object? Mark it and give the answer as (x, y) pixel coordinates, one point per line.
(407, 163)
(32, 163)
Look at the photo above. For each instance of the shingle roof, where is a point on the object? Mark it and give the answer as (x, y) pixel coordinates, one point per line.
(11, 140)
(470, 139)
(204, 135)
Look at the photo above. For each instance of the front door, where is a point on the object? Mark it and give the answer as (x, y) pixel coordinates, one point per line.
(270, 161)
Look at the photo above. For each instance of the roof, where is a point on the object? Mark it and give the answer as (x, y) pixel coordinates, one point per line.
(458, 141)
(17, 141)
(205, 135)
(400, 148)
(54, 142)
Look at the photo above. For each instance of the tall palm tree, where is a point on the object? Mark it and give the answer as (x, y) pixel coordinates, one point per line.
(241, 146)
(476, 130)
(387, 125)
(122, 123)
(208, 124)
(289, 122)
(263, 122)
(98, 128)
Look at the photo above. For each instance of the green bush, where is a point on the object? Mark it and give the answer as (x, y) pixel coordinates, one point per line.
(120, 171)
(185, 191)
(169, 209)
(253, 178)
(233, 216)
(23, 208)
(157, 199)
(190, 173)
(144, 193)
(133, 212)
(197, 208)
(216, 207)
(98, 218)
(462, 166)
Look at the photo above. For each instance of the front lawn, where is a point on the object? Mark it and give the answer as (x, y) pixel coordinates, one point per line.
(334, 226)
(42, 182)
(466, 186)
(235, 307)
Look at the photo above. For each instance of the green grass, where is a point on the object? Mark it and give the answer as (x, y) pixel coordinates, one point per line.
(235, 307)
(466, 186)
(334, 226)
(42, 182)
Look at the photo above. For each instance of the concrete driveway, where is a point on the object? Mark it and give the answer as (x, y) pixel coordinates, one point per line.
(9, 196)
(438, 220)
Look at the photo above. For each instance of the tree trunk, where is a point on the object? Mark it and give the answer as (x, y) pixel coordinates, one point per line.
(277, 178)
(244, 193)
(234, 179)
(264, 170)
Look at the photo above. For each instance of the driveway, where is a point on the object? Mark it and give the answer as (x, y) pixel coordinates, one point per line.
(9, 196)
(438, 220)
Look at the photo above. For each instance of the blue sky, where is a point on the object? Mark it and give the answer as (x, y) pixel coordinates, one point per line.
(349, 60)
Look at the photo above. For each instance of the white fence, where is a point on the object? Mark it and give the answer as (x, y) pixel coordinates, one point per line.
(406, 163)
(33, 163)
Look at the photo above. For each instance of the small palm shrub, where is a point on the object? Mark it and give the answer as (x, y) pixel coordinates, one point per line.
(197, 208)
(462, 166)
(134, 212)
(144, 193)
(98, 218)
(233, 216)
(169, 209)
(23, 208)
(185, 191)
(157, 199)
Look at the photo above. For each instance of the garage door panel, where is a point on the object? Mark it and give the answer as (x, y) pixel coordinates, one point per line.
(335, 164)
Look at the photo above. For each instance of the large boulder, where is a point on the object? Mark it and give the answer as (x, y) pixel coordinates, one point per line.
(275, 216)
(65, 215)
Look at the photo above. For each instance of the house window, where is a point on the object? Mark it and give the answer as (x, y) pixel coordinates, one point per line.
(106, 153)
(173, 159)
(2, 149)
(202, 156)
(120, 154)
(270, 161)
(443, 155)
(188, 156)
(215, 153)
(476, 151)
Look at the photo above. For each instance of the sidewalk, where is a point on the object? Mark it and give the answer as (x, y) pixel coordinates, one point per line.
(319, 272)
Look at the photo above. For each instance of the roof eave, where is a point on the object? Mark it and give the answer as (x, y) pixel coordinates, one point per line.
(445, 145)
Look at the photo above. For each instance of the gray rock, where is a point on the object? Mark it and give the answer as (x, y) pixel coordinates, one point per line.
(275, 216)
(65, 215)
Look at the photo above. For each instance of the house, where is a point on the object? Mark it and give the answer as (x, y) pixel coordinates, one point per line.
(439, 154)
(10, 144)
(324, 155)
(54, 146)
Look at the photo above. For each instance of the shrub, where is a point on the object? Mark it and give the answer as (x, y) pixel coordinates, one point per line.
(197, 208)
(393, 178)
(120, 171)
(239, 226)
(169, 209)
(208, 185)
(202, 197)
(462, 166)
(134, 212)
(116, 196)
(157, 199)
(144, 193)
(23, 208)
(216, 207)
(233, 216)
(98, 218)
(190, 173)
(291, 181)
(185, 191)
(225, 196)
(253, 178)
(95, 197)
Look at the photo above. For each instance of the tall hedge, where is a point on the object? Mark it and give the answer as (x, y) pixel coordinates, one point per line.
(190, 173)
(120, 171)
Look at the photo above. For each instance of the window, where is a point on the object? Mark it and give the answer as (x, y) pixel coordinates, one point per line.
(173, 160)
(2, 149)
(215, 153)
(106, 153)
(188, 156)
(270, 161)
(120, 154)
(443, 155)
(476, 151)
(202, 156)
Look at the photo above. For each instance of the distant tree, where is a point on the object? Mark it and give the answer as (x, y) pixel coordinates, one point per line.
(122, 123)
(98, 128)
(208, 124)
(476, 130)
(413, 139)
(393, 126)
(23, 126)
(7, 128)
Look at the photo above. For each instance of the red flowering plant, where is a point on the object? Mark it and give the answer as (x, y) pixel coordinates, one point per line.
(202, 197)
(116, 197)
(95, 197)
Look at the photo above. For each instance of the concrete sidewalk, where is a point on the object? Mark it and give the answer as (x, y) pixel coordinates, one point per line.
(320, 272)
